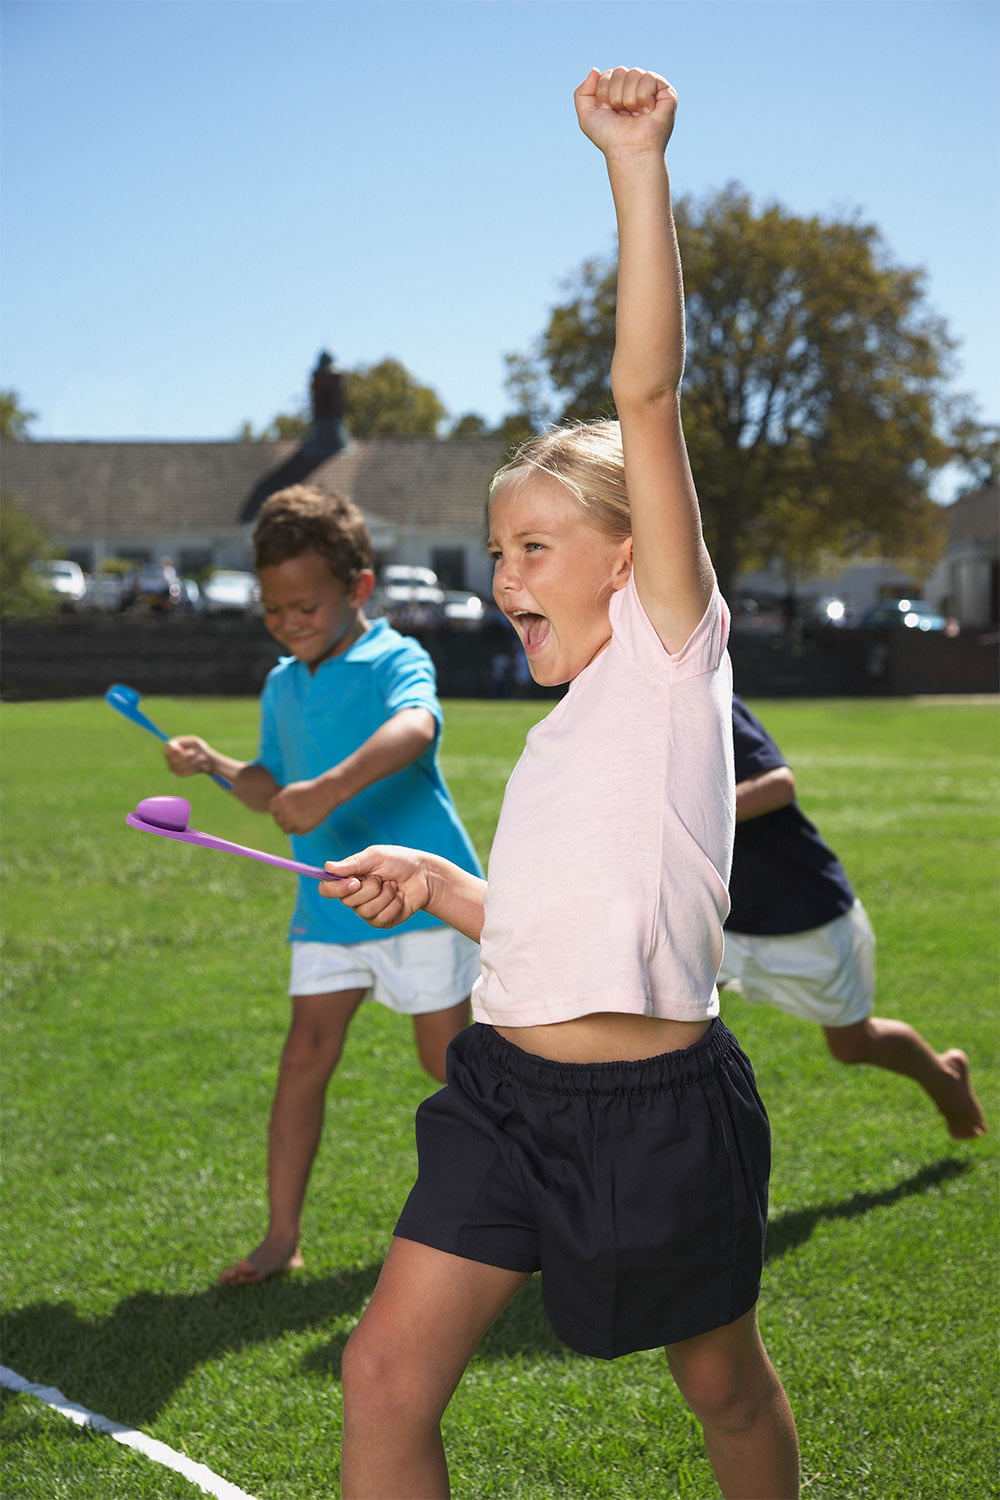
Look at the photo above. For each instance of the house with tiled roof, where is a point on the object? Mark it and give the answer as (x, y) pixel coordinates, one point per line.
(424, 498)
(967, 580)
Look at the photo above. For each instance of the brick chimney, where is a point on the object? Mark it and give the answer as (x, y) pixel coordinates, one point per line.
(326, 390)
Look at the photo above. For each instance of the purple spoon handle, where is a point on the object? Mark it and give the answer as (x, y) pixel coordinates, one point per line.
(208, 841)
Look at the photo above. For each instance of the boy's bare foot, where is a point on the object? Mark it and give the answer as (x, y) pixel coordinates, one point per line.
(267, 1260)
(960, 1106)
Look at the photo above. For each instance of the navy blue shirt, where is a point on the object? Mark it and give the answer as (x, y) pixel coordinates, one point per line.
(785, 878)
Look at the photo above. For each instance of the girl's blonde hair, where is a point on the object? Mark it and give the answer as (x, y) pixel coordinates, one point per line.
(587, 460)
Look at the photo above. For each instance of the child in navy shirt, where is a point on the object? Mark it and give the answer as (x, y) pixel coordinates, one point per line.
(798, 937)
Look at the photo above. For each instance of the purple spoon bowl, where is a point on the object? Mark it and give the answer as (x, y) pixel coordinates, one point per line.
(169, 817)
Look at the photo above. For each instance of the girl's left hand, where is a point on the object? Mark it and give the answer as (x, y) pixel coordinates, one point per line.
(628, 107)
(384, 884)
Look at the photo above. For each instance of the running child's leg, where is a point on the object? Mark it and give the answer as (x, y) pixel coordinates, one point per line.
(433, 1032)
(312, 1050)
(402, 1364)
(730, 1384)
(897, 1047)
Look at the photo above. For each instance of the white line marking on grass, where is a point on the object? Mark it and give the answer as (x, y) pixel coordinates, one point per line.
(130, 1436)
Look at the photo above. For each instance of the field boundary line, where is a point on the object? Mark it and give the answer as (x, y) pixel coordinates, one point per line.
(131, 1437)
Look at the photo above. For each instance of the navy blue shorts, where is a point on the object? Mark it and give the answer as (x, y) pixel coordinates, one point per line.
(638, 1189)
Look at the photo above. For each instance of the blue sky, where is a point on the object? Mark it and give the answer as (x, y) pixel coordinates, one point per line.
(199, 197)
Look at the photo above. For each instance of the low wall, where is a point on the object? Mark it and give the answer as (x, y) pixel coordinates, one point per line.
(79, 656)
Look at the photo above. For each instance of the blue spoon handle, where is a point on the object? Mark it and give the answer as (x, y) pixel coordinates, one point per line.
(130, 711)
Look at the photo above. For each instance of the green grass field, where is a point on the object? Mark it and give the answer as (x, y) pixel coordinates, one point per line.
(143, 1014)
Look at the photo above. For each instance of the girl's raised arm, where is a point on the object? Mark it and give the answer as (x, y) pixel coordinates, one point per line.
(628, 113)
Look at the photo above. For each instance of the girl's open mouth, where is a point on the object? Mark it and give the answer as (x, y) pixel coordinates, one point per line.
(533, 630)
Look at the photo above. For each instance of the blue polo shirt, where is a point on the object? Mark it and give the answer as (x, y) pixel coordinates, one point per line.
(784, 877)
(311, 721)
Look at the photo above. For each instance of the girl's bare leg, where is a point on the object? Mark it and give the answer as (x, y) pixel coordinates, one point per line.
(729, 1383)
(433, 1031)
(403, 1362)
(312, 1050)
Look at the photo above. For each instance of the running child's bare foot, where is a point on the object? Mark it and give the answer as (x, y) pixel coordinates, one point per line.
(959, 1105)
(267, 1260)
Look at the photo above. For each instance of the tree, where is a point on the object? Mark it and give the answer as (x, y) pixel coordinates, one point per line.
(814, 402)
(385, 400)
(22, 543)
(14, 419)
(282, 426)
(977, 451)
(469, 425)
(382, 400)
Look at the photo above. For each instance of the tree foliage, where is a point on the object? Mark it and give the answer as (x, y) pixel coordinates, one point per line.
(814, 401)
(14, 419)
(381, 400)
(385, 400)
(22, 543)
(282, 426)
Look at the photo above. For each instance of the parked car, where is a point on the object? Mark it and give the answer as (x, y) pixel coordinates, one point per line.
(63, 578)
(409, 596)
(463, 611)
(826, 614)
(190, 602)
(156, 587)
(105, 592)
(407, 576)
(229, 591)
(759, 615)
(907, 614)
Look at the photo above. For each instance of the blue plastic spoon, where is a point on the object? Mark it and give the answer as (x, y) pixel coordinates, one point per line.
(125, 700)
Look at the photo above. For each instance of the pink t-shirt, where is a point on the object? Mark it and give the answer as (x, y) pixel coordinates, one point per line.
(607, 882)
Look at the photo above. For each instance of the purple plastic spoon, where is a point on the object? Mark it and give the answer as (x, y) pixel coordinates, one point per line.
(168, 816)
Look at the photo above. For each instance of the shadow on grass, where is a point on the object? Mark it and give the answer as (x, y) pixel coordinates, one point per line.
(127, 1366)
(790, 1230)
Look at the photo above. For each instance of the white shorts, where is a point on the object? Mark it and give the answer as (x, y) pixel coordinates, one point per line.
(411, 972)
(825, 975)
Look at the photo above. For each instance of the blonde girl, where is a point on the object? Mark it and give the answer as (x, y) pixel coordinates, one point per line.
(599, 1122)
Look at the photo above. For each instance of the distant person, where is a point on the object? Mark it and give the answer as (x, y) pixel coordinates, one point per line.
(798, 937)
(350, 725)
(522, 676)
(501, 673)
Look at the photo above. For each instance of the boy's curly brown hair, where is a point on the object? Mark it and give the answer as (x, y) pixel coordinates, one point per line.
(304, 518)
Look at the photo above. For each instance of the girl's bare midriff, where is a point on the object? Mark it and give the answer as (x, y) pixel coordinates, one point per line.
(605, 1036)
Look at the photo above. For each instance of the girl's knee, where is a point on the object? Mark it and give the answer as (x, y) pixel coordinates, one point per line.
(367, 1376)
(378, 1385)
(725, 1381)
(718, 1400)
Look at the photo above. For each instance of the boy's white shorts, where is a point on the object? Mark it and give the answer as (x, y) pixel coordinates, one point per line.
(825, 975)
(411, 972)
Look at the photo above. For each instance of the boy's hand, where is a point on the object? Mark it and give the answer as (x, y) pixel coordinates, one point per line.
(384, 884)
(301, 806)
(626, 108)
(187, 755)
